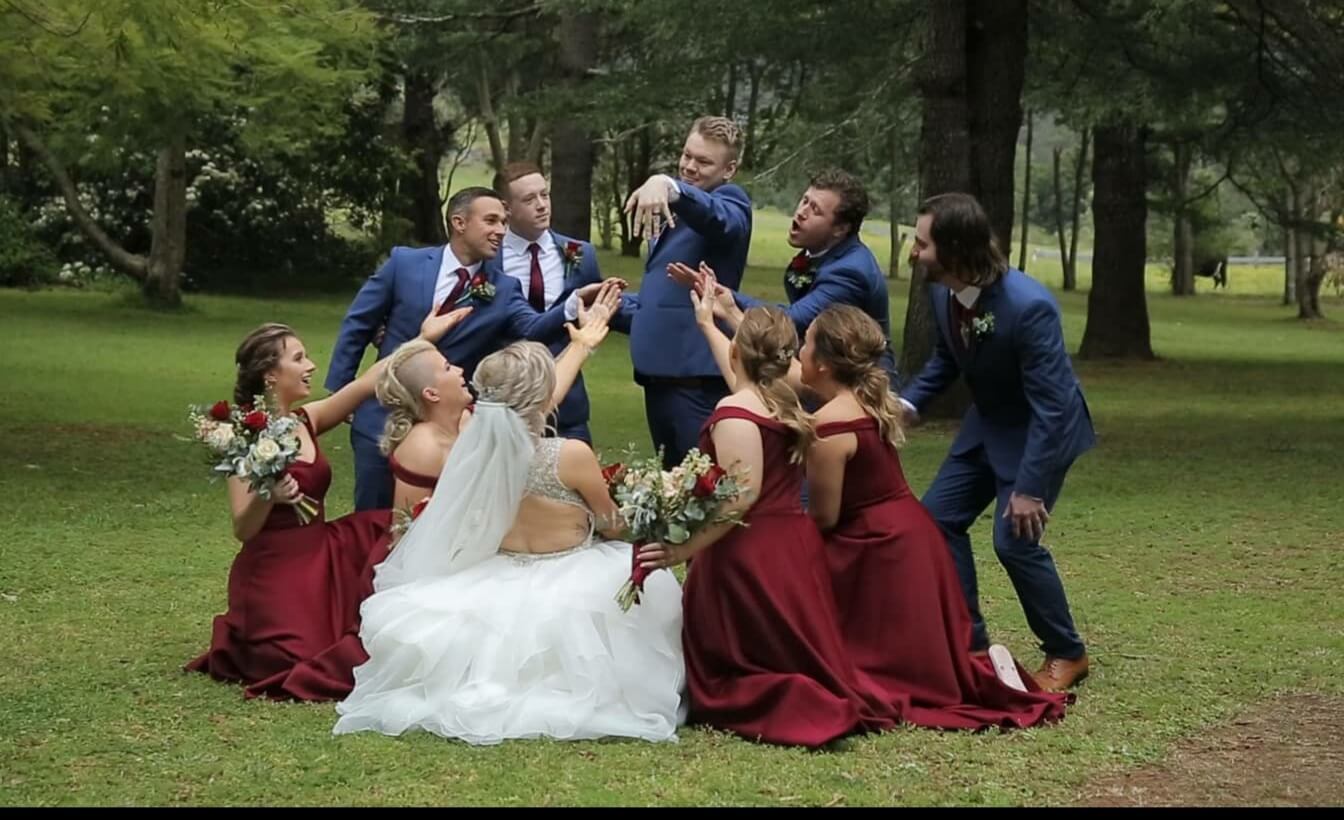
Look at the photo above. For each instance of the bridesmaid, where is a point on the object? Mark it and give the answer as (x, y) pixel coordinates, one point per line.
(764, 656)
(902, 612)
(291, 629)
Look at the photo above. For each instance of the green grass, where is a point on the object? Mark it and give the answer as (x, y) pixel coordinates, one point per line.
(1198, 542)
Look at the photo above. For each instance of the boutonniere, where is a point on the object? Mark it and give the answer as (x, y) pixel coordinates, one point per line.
(479, 288)
(802, 272)
(572, 254)
(982, 326)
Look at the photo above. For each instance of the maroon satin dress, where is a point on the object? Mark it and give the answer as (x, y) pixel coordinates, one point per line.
(764, 655)
(292, 626)
(903, 615)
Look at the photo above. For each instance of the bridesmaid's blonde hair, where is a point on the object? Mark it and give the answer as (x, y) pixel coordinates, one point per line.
(851, 344)
(766, 343)
(400, 390)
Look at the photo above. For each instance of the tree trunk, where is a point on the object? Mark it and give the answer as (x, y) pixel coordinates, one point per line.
(420, 193)
(996, 60)
(1309, 302)
(1183, 244)
(1065, 262)
(485, 100)
(1289, 256)
(131, 264)
(754, 72)
(944, 153)
(894, 183)
(1071, 272)
(572, 151)
(730, 98)
(1308, 305)
(168, 248)
(638, 167)
(1117, 307)
(1026, 202)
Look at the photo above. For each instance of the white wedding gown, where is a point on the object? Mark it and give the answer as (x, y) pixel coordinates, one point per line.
(522, 646)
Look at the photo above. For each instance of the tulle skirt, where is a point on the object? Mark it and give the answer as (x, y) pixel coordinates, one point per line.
(523, 647)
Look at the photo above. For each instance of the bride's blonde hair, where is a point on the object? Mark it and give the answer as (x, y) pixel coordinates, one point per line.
(521, 376)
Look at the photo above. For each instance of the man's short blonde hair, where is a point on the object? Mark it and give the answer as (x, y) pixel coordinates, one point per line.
(723, 131)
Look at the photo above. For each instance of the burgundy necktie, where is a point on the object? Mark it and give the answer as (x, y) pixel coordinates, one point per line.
(451, 300)
(536, 288)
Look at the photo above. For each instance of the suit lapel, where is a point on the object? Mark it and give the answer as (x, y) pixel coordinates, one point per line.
(983, 307)
(567, 271)
(944, 321)
(430, 276)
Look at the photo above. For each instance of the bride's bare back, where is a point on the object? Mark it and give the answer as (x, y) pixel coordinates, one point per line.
(566, 500)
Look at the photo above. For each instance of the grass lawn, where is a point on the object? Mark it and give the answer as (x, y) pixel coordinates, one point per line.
(1199, 544)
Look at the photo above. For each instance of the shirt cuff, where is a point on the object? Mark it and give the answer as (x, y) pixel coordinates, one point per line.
(673, 189)
(572, 307)
(908, 406)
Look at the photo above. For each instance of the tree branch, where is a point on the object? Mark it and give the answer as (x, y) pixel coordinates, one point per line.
(46, 25)
(132, 264)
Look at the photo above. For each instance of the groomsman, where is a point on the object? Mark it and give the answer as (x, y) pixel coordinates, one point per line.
(832, 265)
(551, 268)
(701, 216)
(1026, 425)
(398, 297)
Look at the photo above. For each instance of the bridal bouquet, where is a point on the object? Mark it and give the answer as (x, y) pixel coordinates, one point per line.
(668, 506)
(251, 443)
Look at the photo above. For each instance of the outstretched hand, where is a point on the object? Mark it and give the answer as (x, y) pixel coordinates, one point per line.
(651, 207)
(593, 322)
(588, 293)
(434, 327)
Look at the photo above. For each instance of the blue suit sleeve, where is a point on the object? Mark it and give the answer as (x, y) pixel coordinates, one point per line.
(939, 371)
(1047, 381)
(524, 322)
(368, 310)
(723, 216)
(626, 315)
(832, 287)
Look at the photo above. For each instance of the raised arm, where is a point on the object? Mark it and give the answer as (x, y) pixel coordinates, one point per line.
(583, 340)
(368, 310)
(719, 344)
(328, 412)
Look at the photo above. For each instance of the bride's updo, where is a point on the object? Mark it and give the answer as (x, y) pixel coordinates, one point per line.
(521, 376)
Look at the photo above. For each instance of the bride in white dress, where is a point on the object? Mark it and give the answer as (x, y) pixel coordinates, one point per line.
(495, 617)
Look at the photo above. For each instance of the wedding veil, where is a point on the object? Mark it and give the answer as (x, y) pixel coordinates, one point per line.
(483, 482)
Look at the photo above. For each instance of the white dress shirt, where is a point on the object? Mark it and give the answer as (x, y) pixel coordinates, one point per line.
(518, 264)
(448, 275)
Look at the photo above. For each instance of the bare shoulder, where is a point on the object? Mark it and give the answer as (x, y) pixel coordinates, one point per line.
(423, 450)
(840, 408)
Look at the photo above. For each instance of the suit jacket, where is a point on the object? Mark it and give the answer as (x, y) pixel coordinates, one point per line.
(1028, 410)
(401, 294)
(847, 274)
(574, 410)
(713, 227)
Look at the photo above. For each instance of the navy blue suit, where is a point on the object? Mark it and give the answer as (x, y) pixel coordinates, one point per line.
(1026, 425)
(571, 417)
(847, 274)
(672, 360)
(399, 296)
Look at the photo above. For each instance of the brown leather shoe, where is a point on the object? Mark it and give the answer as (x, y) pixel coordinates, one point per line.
(1058, 674)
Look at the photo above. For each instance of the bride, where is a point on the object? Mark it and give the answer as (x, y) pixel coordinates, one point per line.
(495, 617)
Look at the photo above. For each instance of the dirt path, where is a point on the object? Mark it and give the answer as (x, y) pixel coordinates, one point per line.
(1288, 751)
